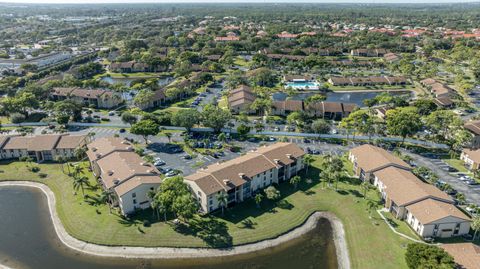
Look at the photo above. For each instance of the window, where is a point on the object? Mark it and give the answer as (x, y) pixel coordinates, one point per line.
(134, 195)
(210, 202)
(134, 201)
(151, 188)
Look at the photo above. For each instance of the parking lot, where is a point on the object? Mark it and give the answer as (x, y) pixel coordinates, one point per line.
(471, 192)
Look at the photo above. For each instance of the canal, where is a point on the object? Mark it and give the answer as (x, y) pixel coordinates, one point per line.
(28, 240)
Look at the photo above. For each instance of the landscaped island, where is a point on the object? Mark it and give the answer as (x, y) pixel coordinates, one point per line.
(242, 224)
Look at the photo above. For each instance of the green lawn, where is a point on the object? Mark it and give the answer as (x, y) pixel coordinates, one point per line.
(457, 164)
(400, 226)
(371, 243)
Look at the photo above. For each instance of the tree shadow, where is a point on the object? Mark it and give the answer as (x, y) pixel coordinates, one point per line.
(247, 224)
(284, 204)
(356, 193)
(212, 231)
(342, 192)
(128, 222)
(309, 192)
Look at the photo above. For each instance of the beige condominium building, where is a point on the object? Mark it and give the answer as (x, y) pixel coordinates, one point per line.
(242, 177)
(41, 147)
(122, 171)
(429, 211)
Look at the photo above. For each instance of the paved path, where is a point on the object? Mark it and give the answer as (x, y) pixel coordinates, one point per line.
(169, 253)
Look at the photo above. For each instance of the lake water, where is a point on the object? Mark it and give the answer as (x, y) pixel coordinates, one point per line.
(28, 240)
(340, 97)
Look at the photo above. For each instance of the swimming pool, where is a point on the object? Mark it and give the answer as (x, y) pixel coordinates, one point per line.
(303, 85)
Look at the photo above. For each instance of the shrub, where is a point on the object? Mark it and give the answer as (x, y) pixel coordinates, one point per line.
(146, 223)
(34, 169)
(17, 118)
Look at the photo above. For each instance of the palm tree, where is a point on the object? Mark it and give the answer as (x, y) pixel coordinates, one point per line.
(307, 159)
(107, 196)
(77, 170)
(372, 205)
(80, 183)
(365, 187)
(169, 136)
(461, 198)
(222, 199)
(295, 180)
(258, 199)
(475, 226)
(153, 202)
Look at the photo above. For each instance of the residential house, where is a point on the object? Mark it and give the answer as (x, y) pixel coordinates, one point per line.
(330, 110)
(436, 88)
(122, 171)
(391, 57)
(98, 98)
(246, 175)
(367, 81)
(429, 211)
(41, 147)
(368, 159)
(298, 78)
(158, 99)
(369, 52)
(285, 107)
(466, 255)
(287, 36)
(240, 99)
(474, 128)
(443, 102)
(471, 158)
(226, 38)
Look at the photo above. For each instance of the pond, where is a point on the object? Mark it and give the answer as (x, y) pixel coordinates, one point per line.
(339, 97)
(128, 80)
(28, 240)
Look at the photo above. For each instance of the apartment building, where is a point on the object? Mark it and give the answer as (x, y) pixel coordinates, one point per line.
(426, 209)
(41, 147)
(120, 170)
(240, 99)
(98, 98)
(246, 175)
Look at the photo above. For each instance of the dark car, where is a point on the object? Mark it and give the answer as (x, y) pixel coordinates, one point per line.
(122, 131)
(306, 140)
(187, 157)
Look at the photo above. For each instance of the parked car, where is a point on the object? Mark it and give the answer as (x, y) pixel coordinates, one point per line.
(122, 130)
(187, 157)
(171, 174)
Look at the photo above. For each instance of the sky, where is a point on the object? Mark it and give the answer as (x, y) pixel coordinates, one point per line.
(236, 1)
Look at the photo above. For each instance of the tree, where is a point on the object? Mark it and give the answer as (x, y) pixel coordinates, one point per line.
(307, 160)
(372, 205)
(185, 206)
(169, 190)
(263, 105)
(263, 77)
(320, 126)
(186, 118)
(295, 181)
(422, 256)
(272, 193)
(222, 199)
(80, 183)
(143, 98)
(332, 168)
(365, 187)
(475, 226)
(215, 117)
(258, 199)
(145, 128)
(169, 136)
(403, 122)
(443, 122)
(107, 196)
(425, 106)
(243, 130)
(129, 118)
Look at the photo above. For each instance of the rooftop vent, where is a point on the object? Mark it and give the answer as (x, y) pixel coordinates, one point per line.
(110, 172)
(94, 149)
(242, 175)
(98, 155)
(226, 181)
(116, 181)
(276, 160)
(289, 156)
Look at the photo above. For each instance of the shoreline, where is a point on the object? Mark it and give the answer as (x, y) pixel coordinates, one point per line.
(338, 236)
